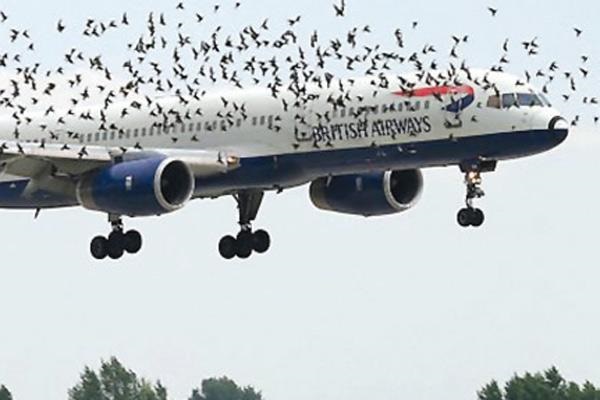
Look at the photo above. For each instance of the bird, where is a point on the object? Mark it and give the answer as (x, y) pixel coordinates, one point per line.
(60, 27)
(493, 11)
(294, 21)
(341, 9)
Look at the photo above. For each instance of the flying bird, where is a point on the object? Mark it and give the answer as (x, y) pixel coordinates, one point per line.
(340, 10)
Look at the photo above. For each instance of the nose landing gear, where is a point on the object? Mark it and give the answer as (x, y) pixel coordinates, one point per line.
(247, 241)
(470, 216)
(117, 243)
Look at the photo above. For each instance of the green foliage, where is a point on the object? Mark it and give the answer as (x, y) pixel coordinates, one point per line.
(549, 385)
(4, 393)
(224, 389)
(114, 382)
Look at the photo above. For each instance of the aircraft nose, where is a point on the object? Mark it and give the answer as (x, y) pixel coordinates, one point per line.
(559, 127)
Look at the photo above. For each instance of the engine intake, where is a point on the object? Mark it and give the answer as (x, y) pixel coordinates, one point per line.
(137, 188)
(368, 195)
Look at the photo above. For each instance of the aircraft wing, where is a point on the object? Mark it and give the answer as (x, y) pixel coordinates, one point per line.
(32, 160)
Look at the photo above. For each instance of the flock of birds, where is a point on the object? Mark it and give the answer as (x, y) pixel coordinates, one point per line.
(184, 66)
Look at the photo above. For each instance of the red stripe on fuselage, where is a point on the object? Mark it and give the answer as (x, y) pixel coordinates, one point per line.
(437, 90)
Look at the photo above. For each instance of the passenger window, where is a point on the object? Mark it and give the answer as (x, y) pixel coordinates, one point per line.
(191, 127)
(427, 104)
(143, 132)
(262, 120)
(198, 126)
(89, 137)
(105, 136)
(182, 128)
(400, 108)
(343, 113)
(239, 122)
(97, 136)
(270, 121)
(417, 106)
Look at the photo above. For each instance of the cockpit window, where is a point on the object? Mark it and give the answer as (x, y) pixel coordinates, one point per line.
(529, 99)
(522, 100)
(494, 102)
(509, 100)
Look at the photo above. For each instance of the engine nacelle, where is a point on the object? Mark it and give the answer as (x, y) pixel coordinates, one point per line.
(370, 194)
(137, 188)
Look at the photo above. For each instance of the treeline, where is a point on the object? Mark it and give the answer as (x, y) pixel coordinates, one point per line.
(548, 385)
(114, 382)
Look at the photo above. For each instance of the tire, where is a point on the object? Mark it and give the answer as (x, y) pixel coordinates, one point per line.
(261, 241)
(244, 244)
(115, 245)
(478, 218)
(99, 247)
(132, 242)
(227, 247)
(464, 217)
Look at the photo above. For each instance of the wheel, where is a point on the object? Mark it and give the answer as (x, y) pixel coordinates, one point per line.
(115, 245)
(227, 247)
(261, 241)
(477, 218)
(244, 244)
(99, 247)
(464, 217)
(132, 242)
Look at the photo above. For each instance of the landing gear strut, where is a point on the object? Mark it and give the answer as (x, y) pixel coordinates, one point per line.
(247, 241)
(470, 215)
(117, 243)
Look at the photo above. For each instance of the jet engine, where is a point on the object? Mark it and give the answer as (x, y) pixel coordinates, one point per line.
(371, 194)
(137, 188)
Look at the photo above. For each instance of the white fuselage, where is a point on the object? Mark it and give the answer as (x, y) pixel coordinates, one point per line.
(304, 138)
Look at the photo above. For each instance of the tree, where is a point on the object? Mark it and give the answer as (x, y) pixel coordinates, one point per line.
(4, 393)
(549, 385)
(112, 381)
(115, 382)
(224, 389)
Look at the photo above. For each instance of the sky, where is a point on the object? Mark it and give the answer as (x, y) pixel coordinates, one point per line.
(407, 306)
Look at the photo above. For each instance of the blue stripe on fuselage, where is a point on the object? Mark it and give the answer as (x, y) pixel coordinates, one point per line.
(297, 168)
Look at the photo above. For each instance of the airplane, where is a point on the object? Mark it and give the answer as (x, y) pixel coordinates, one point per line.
(360, 143)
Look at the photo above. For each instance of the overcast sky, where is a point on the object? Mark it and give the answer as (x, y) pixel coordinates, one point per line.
(408, 306)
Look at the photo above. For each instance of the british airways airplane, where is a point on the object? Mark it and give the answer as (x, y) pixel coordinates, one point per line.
(360, 143)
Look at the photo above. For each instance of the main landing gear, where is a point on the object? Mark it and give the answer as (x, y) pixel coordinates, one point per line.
(247, 241)
(117, 243)
(470, 216)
